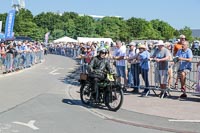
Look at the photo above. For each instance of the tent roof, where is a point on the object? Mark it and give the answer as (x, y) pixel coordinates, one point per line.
(65, 39)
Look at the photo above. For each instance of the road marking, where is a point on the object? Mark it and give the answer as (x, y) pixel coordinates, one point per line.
(30, 124)
(193, 121)
(53, 72)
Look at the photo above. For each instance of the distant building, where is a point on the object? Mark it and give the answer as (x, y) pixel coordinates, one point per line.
(196, 33)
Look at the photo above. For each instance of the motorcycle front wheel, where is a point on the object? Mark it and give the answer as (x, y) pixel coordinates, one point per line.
(85, 94)
(114, 99)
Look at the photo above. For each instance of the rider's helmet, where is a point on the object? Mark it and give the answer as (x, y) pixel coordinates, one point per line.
(102, 50)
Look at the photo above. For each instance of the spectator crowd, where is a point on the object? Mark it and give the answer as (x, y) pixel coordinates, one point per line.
(15, 56)
(134, 59)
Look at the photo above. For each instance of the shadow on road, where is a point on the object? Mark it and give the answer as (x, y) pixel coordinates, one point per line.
(79, 103)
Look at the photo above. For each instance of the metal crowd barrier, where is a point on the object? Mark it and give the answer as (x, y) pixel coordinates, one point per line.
(191, 78)
(20, 61)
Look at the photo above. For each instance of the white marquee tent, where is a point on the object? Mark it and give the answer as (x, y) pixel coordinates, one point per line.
(86, 39)
(65, 39)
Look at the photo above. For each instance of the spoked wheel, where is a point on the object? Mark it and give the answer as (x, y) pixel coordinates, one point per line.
(114, 99)
(85, 94)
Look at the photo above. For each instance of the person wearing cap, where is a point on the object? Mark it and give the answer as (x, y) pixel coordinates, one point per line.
(177, 47)
(133, 52)
(170, 64)
(119, 54)
(179, 44)
(185, 66)
(143, 58)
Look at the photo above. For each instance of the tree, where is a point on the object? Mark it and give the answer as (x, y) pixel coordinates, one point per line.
(164, 29)
(85, 26)
(47, 20)
(111, 27)
(3, 19)
(187, 32)
(141, 29)
(57, 33)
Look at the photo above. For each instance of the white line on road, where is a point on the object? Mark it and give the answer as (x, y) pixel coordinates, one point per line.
(30, 124)
(193, 121)
(53, 72)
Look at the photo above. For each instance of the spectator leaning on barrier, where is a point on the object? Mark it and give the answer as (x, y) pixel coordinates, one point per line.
(119, 55)
(161, 56)
(3, 54)
(133, 53)
(143, 57)
(179, 44)
(170, 64)
(185, 57)
(177, 47)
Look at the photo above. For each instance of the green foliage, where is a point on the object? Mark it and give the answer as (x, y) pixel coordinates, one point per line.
(3, 19)
(164, 29)
(72, 25)
(187, 32)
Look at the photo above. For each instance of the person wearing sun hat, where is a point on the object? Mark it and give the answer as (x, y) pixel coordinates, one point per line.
(143, 58)
(161, 56)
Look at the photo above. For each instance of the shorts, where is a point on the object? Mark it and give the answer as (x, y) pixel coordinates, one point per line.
(121, 71)
(186, 71)
(161, 76)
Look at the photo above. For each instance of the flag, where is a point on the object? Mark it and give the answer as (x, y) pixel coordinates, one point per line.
(47, 37)
(10, 20)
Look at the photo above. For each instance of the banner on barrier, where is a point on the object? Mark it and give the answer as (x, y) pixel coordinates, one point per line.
(10, 20)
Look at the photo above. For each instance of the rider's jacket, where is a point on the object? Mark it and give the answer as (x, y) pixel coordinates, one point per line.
(99, 64)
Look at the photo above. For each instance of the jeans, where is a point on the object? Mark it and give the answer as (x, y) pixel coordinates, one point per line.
(9, 60)
(144, 73)
(136, 70)
(130, 77)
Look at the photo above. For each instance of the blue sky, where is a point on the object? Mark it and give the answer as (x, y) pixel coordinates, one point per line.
(178, 13)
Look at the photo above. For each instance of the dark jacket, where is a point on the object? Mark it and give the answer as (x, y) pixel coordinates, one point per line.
(99, 64)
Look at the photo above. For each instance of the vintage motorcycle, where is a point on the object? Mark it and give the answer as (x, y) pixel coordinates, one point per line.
(109, 92)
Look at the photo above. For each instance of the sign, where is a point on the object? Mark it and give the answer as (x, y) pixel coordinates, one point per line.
(10, 20)
(0, 26)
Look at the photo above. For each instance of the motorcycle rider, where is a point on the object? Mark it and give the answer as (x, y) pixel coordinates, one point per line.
(98, 68)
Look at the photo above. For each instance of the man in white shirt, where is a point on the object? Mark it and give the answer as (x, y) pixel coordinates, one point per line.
(119, 55)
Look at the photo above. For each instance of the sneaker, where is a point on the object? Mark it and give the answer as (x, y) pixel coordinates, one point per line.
(183, 95)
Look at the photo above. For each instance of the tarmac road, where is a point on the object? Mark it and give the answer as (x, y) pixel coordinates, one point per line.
(45, 99)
